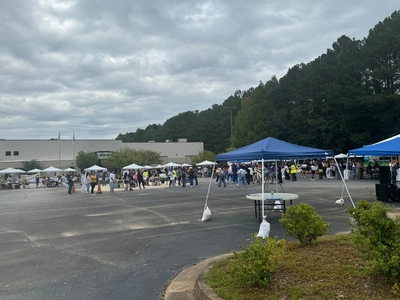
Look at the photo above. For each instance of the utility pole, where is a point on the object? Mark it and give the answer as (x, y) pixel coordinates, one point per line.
(231, 108)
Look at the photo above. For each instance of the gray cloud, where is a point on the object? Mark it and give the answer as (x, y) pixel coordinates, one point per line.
(99, 67)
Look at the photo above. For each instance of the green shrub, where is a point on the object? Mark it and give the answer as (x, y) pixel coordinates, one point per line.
(303, 223)
(255, 264)
(377, 237)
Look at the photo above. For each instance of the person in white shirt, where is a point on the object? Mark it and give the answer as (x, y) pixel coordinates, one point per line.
(328, 171)
(251, 172)
(242, 177)
(313, 169)
(112, 181)
(303, 170)
(83, 183)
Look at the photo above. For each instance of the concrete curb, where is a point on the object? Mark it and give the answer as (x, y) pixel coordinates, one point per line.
(190, 283)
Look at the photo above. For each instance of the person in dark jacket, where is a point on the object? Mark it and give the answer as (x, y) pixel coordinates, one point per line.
(191, 176)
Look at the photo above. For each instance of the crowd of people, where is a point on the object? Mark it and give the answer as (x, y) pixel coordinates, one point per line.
(240, 174)
(243, 174)
(129, 179)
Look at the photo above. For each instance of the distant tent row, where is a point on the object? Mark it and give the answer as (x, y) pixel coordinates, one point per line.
(47, 170)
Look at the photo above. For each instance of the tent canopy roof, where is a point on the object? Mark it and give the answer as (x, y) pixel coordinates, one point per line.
(206, 163)
(388, 147)
(171, 164)
(95, 168)
(11, 171)
(132, 167)
(271, 148)
(51, 169)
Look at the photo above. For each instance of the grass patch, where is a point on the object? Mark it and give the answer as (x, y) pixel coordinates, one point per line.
(330, 268)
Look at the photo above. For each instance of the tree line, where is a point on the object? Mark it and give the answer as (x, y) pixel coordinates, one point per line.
(346, 98)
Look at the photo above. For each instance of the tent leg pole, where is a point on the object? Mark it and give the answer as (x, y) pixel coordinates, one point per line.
(209, 184)
(262, 188)
(344, 183)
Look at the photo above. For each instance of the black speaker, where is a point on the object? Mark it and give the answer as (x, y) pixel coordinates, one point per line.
(382, 192)
(384, 175)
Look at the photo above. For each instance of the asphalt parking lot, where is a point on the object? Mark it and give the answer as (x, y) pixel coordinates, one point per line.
(130, 244)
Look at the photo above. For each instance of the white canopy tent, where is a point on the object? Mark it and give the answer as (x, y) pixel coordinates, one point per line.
(70, 170)
(95, 168)
(132, 167)
(158, 167)
(11, 171)
(51, 169)
(186, 165)
(34, 171)
(206, 163)
(171, 164)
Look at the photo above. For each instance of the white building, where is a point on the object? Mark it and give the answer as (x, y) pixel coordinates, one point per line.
(62, 153)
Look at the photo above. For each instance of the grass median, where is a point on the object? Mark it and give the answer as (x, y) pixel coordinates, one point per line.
(329, 268)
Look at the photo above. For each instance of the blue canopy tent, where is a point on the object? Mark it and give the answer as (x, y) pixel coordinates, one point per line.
(271, 148)
(388, 147)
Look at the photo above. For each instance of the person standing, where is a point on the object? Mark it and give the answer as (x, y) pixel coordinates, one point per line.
(191, 176)
(279, 170)
(251, 172)
(293, 172)
(320, 170)
(272, 174)
(93, 181)
(229, 177)
(174, 172)
(140, 179)
(83, 183)
(126, 181)
(131, 181)
(287, 172)
(218, 174)
(266, 173)
(70, 182)
(112, 181)
(87, 180)
(184, 174)
(145, 177)
(360, 170)
(313, 169)
(234, 174)
(222, 177)
(304, 167)
(195, 177)
(179, 175)
(328, 170)
(171, 177)
(37, 180)
(242, 177)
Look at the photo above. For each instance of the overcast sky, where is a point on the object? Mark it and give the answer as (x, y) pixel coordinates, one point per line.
(103, 67)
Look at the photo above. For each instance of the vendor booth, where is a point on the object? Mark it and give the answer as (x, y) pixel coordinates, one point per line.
(387, 189)
(271, 149)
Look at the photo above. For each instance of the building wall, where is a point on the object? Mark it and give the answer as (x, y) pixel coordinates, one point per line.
(62, 153)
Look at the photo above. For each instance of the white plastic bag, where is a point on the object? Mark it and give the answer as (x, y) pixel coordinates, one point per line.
(264, 229)
(278, 205)
(340, 201)
(206, 214)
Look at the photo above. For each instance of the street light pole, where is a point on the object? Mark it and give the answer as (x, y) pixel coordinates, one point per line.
(231, 108)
